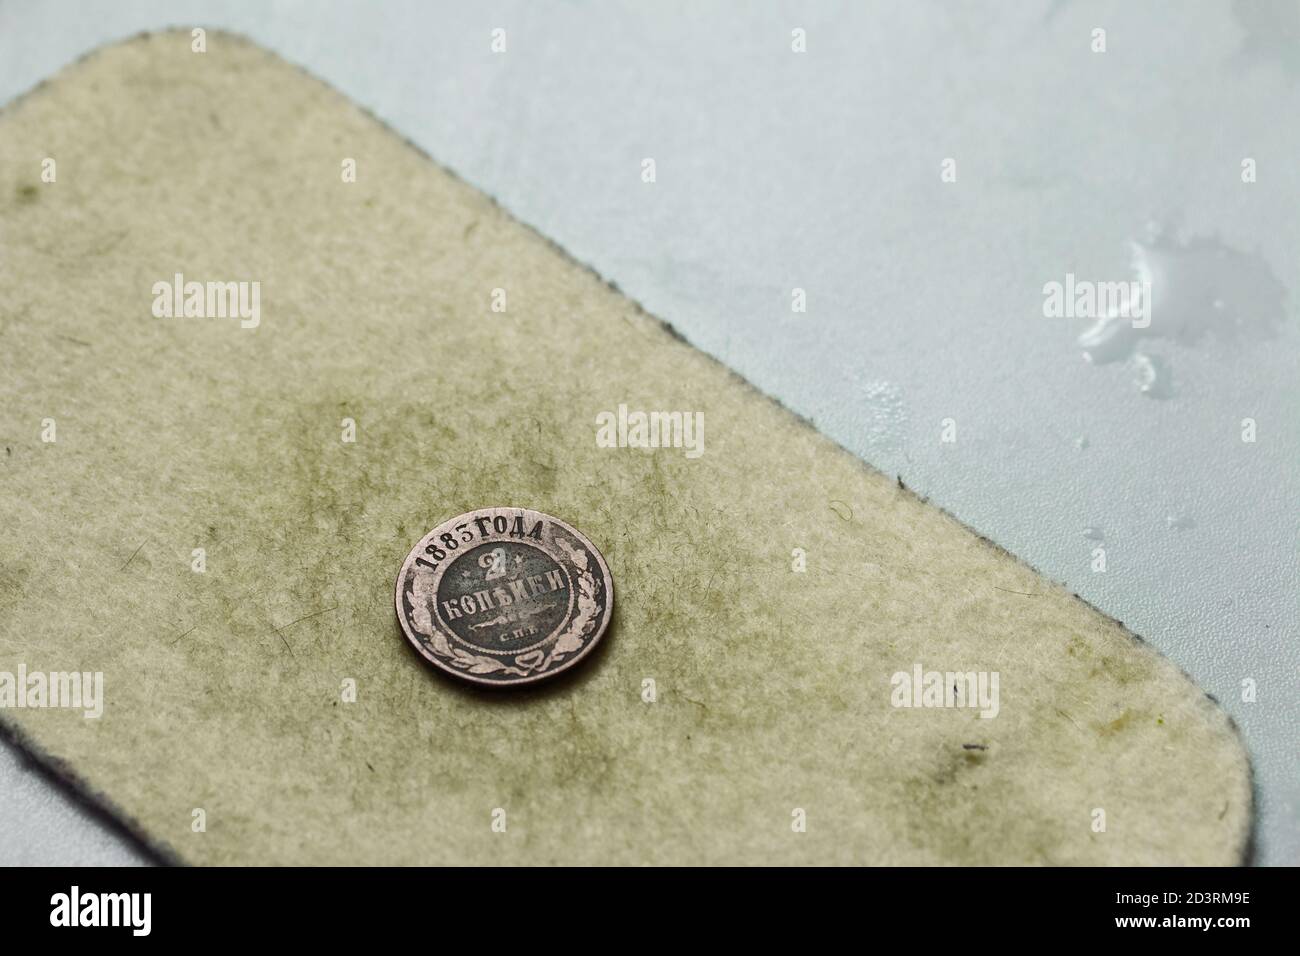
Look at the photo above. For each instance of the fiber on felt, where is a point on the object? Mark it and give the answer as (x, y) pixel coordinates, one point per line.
(223, 688)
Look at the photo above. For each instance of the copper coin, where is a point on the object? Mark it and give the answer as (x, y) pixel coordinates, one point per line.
(504, 596)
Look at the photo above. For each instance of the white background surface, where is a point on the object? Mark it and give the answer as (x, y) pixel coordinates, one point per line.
(821, 171)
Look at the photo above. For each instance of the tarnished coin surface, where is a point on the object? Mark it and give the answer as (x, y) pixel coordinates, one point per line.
(504, 596)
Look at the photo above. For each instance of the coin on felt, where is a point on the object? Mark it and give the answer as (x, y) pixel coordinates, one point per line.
(504, 596)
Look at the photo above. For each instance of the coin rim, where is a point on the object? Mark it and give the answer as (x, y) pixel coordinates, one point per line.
(597, 635)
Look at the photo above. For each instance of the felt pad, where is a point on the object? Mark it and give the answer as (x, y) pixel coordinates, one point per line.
(773, 688)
